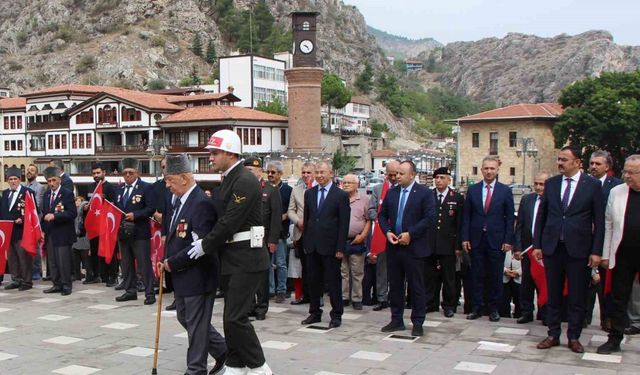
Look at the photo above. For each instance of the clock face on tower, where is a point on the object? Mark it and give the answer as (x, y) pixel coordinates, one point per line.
(306, 46)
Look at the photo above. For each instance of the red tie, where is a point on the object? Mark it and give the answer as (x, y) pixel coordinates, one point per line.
(487, 201)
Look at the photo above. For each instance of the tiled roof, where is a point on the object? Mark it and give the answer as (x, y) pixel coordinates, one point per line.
(13, 103)
(360, 100)
(151, 101)
(221, 113)
(83, 89)
(387, 153)
(195, 98)
(550, 110)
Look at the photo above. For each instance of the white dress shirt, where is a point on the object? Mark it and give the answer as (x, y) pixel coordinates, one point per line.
(574, 184)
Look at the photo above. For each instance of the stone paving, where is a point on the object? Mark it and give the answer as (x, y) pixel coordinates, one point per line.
(89, 333)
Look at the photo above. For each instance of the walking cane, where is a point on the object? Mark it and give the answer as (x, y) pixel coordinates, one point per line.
(154, 371)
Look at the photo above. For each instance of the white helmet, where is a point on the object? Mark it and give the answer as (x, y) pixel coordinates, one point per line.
(225, 140)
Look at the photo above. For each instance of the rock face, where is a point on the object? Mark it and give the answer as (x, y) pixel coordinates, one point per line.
(129, 42)
(402, 47)
(526, 68)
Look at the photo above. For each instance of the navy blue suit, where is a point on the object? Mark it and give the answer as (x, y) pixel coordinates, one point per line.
(60, 234)
(567, 239)
(524, 239)
(142, 203)
(487, 232)
(325, 234)
(16, 211)
(408, 260)
(20, 262)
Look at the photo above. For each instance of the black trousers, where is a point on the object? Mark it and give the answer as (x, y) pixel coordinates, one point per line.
(624, 275)
(527, 287)
(139, 251)
(369, 284)
(244, 349)
(557, 267)
(445, 276)
(80, 258)
(401, 266)
(99, 268)
(261, 301)
(510, 292)
(305, 275)
(603, 301)
(323, 269)
(61, 264)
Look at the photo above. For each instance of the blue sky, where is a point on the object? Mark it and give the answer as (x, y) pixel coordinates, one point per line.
(464, 20)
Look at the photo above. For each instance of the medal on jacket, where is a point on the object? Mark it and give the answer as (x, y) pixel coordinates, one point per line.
(59, 207)
(181, 229)
(136, 199)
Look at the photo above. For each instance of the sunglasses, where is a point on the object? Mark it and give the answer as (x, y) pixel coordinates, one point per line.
(272, 172)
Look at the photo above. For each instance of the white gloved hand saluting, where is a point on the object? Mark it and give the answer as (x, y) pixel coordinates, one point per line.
(196, 250)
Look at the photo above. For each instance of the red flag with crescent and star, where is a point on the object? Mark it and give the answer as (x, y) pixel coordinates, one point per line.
(157, 247)
(93, 220)
(6, 228)
(32, 232)
(110, 224)
(379, 240)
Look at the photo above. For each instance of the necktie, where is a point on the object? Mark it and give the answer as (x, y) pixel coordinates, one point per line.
(403, 200)
(322, 190)
(53, 199)
(176, 211)
(566, 195)
(440, 198)
(487, 201)
(11, 199)
(127, 192)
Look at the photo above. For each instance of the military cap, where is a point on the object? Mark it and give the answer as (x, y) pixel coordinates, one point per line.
(177, 164)
(130, 163)
(253, 161)
(441, 170)
(51, 172)
(14, 172)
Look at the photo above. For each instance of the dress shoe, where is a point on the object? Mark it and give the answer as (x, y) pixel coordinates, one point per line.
(219, 365)
(127, 297)
(549, 342)
(346, 302)
(66, 292)
(632, 330)
(302, 301)
(13, 285)
(119, 286)
(260, 316)
(310, 320)
(609, 347)
(381, 306)
(24, 287)
(280, 297)
(93, 280)
(526, 318)
(474, 315)
(335, 323)
(494, 317)
(110, 284)
(575, 346)
(46, 278)
(357, 305)
(149, 300)
(53, 289)
(448, 313)
(172, 306)
(417, 331)
(393, 326)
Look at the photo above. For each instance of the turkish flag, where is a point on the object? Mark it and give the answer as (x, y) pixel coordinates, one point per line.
(379, 240)
(157, 248)
(93, 219)
(539, 278)
(110, 224)
(6, 227)
(32, 232)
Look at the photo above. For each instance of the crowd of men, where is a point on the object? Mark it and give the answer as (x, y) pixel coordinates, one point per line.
(407, 246)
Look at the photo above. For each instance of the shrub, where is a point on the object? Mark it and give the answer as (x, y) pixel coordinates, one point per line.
(85, 63)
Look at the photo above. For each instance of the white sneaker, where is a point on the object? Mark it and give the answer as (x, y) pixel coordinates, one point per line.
(262, 370)
(235, 370)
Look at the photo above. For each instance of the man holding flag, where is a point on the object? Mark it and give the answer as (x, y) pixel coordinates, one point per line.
(13, 209)
(378, 256)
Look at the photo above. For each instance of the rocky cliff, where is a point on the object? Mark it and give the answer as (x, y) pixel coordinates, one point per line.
(402, 47)
(130, 42)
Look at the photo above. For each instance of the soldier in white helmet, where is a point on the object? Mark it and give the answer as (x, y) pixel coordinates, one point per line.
(237, 239)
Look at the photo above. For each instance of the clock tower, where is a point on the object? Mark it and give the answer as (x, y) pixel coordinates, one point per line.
(304, 81)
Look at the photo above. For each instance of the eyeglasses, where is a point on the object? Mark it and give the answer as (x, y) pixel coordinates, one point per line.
(272, 172)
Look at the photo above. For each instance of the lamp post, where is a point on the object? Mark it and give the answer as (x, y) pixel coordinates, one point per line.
(526, 147)
(156, 148)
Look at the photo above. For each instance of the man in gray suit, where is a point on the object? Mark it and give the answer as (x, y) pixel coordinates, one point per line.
(382, 287)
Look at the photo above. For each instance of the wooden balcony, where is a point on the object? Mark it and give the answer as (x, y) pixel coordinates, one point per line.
(186, 147)
(121, 150)
(48, 125)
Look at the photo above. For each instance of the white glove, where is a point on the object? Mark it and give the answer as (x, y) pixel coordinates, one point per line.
(196, 251)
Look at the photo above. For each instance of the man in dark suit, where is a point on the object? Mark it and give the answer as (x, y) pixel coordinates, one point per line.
(58, 226)
(98, 268)
(406, 215)
(236, 238)
(12, 208)
(569, 231)
(445, 243)
(194, 280)
(135, 199)
(487, 233)
(599, 165)
(326, 227)
(529, 206)
(66, 181)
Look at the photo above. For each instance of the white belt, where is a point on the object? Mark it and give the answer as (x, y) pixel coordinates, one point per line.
(240, 236)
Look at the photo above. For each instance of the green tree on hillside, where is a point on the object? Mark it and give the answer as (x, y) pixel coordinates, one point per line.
(334, 94)
(211, 52)
(196, 45)
(602, 113)
(364, 80)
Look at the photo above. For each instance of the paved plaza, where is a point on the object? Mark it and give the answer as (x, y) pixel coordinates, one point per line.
(89, 333)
